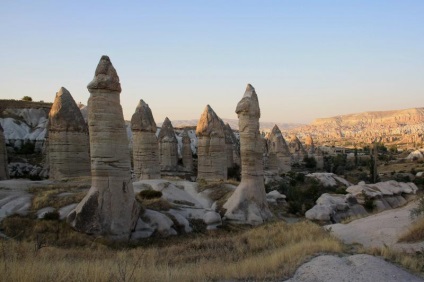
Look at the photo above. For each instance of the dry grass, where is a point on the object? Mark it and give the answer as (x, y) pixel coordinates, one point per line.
(415, 232)
(271, 251)
(412, 262)
(48, 196)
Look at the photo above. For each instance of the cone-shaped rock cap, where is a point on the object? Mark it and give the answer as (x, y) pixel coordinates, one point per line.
(105, 77)
(249, 103)
(209, 123)
(65, 114)
(276, 131)
(142, 119)
(166, 132)
(229, 135)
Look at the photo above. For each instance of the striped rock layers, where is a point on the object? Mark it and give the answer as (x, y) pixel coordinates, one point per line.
(248, 203)
(145, 143)
(68, 144)
(109, 208)
(211, 147)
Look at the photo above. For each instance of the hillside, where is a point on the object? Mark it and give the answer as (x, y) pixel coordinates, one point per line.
(403, 127)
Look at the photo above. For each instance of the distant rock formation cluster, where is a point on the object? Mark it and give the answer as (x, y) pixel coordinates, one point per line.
(68, 145)
(110, 206)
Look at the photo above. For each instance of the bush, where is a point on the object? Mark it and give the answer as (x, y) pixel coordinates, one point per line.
(234, 172)
(419, 210)
(27, 98)
(149, 194)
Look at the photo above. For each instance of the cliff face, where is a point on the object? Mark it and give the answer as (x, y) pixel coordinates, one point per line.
(399, 126)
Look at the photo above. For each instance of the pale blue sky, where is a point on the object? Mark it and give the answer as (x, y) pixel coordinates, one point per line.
(306, 59)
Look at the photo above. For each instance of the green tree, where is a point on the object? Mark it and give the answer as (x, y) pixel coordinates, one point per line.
(27, 98)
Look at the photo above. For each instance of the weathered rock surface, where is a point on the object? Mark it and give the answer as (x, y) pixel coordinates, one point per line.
(335, 208)
(356, 268)
(211, 148)
(186, 151)
(329, 179)
(385, 195)
(109, 208)
(68, 145)
(145, 143)
(248, 203)
(168, 147)
(4, 172)
(279, 159)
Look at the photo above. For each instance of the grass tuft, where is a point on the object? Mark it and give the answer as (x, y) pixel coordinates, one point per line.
(415, 232)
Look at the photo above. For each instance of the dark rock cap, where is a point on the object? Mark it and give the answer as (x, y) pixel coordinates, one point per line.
(105, 77)
(167, 132)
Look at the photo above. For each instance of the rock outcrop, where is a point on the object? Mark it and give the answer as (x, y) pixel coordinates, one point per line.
(145, 143)
(248, 203)
(309, 145)
(109, 208)
(186, 152)
(211, 147)
(4, 172)
(168, 147)
(68, 144)
(279, 158)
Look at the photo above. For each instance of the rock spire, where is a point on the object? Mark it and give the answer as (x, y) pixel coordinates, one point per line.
(168, 147)
(109, 207)
(68, 144)
(145, 143)
(248, 203)
(211, 148)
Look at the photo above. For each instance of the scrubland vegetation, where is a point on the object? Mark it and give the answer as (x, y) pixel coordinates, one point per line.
(271, 251)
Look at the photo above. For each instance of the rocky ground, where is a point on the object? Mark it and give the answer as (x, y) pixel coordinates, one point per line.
(377, 230)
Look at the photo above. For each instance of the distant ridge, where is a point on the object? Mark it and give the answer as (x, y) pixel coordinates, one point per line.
(264, 126)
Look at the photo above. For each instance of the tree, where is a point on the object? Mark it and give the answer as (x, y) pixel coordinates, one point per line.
(27, 98)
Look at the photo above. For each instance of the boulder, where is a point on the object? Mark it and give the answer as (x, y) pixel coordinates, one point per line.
(109, 208)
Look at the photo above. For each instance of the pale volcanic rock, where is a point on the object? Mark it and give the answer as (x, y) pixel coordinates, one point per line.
(248, 204)
(145, 143)
(4, 172)
(168, 147)
(229, 146)
(186, 151)
(309, 145)
(109, 208)
(68, 145)
(279, 158)
(211, 147)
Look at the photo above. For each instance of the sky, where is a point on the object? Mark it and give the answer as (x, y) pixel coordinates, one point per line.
(306, 59)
